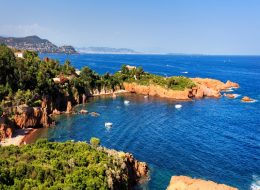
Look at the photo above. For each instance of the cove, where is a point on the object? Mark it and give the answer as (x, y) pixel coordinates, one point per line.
(213, 139)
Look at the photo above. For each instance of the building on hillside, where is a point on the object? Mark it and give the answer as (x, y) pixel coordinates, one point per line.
(18, 54)
(130, 67)
(77, 72)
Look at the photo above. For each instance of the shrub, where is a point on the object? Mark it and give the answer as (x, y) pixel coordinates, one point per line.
(95, 141)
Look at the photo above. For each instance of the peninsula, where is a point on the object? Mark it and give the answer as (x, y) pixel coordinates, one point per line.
(35, 43)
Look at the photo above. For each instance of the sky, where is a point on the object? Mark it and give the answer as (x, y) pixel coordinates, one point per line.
(150, 26)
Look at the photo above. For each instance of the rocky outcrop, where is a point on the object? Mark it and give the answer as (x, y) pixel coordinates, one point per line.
(204, 88)
(247, 99)
(187, 183)
(127, 170)
(231, 96)
(34, 117)
(156, 90)
(6, 128)
(69, 107)
(136, 169)
(210, 87)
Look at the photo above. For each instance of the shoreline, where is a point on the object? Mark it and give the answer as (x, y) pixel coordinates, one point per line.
(25, 136)
(20, 136)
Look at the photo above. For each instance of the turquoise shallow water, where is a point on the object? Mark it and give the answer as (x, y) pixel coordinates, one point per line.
(214, 139)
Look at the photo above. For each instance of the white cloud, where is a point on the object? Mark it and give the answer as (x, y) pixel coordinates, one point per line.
(23, 30)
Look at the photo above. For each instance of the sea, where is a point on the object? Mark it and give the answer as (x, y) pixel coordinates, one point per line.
(211, 139)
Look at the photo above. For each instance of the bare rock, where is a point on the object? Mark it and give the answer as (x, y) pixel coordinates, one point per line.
(83, 111)
(247, 99)
(69, 107)
(56, 112)
(231, 96)
(187, 183)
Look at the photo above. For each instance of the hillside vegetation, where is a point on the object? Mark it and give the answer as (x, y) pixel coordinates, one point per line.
(138, 76)
(56, 165)
(28, 80)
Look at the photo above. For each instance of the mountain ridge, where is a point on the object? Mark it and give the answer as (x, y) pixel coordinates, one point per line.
(106, 50)
(35, 43)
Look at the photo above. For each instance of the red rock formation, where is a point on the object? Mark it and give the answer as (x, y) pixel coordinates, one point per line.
(32, 117)
(247, 99)
(6, 128)
(69, 107)
(231, 96)
(204, 87)
(211, 87)
(138, 169)
(56, 112)
(156, 90)
(187, 183)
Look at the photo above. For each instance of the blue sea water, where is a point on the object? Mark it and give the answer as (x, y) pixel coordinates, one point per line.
(213, 139)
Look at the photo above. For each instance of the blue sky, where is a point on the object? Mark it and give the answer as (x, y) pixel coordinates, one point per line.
(155, 26)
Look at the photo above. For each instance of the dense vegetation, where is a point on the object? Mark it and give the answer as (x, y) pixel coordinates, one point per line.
(138, 76)
(53, 165)
(28, 80)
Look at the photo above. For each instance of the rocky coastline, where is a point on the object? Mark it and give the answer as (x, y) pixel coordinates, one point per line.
(204, 88)
(188, 183)
(37, 117)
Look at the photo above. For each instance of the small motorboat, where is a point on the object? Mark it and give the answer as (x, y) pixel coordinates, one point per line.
(126, 102)
(146, 96)
(178, 106)
(108, 124)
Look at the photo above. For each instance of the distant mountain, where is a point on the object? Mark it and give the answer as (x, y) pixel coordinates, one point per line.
(35, 43)
(107, 50)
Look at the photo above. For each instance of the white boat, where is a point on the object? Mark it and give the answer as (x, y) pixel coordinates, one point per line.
(185, 72)
(146, 96)
(108, 124)
(126, 102)
(178, 106)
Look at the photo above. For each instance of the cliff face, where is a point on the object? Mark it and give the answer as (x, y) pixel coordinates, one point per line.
(210, 87)
(126, 170)
(204, 88)
(187, 183)
(32, 117)
(6, 128)
(156, 90)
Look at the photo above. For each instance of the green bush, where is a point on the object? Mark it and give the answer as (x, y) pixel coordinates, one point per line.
(95, 141)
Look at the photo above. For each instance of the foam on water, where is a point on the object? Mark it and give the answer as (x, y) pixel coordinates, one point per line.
(236, 95)
(256, 183)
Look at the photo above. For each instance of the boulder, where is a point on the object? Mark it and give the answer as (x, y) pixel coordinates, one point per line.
(231, 96)
(56, 112)
(83, 111)
(247, 99)
(187, 183)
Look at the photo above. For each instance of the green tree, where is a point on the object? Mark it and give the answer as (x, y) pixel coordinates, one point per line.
(7, 63)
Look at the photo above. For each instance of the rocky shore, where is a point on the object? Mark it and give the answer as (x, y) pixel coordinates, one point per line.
(37, 117)
(204, 88)
(187, 183)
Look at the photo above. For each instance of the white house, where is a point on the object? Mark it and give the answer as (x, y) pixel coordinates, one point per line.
(19, 54)
(130, 67)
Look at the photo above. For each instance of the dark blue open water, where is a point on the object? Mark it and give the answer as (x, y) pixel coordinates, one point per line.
(213, 139)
